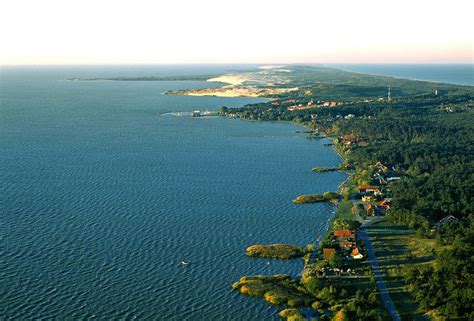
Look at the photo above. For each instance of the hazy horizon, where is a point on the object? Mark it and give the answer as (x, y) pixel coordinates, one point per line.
(332, 64)
(55, 32)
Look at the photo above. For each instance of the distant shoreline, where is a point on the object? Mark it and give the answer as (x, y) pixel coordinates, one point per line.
(390, 70)
(145, 78)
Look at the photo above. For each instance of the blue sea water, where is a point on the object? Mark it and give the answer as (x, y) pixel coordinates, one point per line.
(462, 74)
(103, 194)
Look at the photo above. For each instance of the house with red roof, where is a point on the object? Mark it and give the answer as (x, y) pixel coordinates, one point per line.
(356, 255)
(349, 138)
(369, 189)
(346, 233)
(385, 203)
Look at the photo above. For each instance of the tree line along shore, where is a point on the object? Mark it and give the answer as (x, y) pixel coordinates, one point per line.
(409, 152)
(408, 148)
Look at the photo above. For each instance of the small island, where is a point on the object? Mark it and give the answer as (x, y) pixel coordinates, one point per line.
(314, 198)
(276, 251)
(324, 169)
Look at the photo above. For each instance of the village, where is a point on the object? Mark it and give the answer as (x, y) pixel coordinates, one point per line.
(385, 227)
(343, 249)
(309, 104)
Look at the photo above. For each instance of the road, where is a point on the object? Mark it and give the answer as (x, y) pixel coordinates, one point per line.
(372, 259)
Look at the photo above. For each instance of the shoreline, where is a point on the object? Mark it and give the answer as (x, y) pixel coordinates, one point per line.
(230, 91)
(278, 298)
(440, 82)
(349, 175)
(344, 249)
(349, 264)
(320, 307)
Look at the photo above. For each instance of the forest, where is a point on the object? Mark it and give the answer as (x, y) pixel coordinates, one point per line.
(425, 136)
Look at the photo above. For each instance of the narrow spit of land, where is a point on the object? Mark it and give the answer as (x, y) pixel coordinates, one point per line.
(394, 146)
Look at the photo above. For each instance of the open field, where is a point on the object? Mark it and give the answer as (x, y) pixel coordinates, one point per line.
(398, 248)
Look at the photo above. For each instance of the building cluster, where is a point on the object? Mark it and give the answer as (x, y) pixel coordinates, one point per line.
(312, 104)
(345, 244)
(374, 197)
(374, 201)
(352, 140)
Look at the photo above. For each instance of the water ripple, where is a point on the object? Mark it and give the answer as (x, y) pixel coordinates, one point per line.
(100, 202)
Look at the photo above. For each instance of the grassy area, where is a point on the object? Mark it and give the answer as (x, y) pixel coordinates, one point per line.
(277, 290)
(397, 249)
(344, 211)
(313, 198)
(276, 251)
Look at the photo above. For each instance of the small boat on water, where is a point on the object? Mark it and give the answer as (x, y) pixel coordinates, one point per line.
(184, 263)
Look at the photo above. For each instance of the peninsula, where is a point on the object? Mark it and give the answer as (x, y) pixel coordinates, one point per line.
(400, 245)
(404, 221)
(276, 251)
(267, 82)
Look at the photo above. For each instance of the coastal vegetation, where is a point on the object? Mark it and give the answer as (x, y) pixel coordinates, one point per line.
(324, 169)
(398, 249)
(292, 314)
(277, 290)
(412, 161)
(326, 296)
(313, 198)
(276, 251)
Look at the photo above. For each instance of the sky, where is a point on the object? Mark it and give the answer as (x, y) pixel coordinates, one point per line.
(239, 31)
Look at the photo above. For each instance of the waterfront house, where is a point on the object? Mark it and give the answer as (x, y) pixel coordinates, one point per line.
(348, 139)
(356, 255)
(345, 234)
(368, 189)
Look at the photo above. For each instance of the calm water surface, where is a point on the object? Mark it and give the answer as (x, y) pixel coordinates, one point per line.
(102, 195)
(462, 74)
